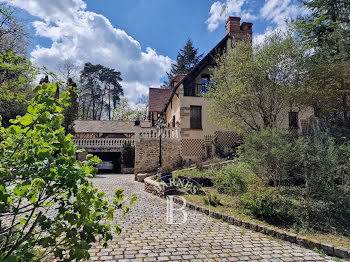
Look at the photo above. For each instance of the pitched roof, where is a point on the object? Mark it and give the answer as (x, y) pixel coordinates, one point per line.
(207, 58)
(107, 126)
(178, 78)
(158, 97)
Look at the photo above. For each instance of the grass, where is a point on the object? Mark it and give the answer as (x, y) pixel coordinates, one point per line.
(229, 205)
(195, 173)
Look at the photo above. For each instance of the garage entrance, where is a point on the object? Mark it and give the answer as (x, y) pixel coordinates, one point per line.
(111, 161)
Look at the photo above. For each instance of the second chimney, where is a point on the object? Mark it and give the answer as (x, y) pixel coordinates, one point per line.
(236, 30)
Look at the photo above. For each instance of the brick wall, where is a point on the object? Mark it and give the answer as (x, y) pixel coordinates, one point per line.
(147, 154)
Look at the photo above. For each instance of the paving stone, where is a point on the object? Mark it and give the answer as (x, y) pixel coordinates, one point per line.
(146, 236)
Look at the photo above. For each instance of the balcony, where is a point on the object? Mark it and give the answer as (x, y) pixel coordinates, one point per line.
(195, 90)
(103, 144)
(169, 133)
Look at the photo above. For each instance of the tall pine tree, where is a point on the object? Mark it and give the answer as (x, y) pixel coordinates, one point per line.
(187, 58)
(325, 30)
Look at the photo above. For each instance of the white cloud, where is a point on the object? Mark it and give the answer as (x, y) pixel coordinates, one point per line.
(84, 36)
(219, 11)
(279, 12)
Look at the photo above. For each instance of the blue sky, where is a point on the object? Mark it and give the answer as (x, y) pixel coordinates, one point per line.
(140, 38)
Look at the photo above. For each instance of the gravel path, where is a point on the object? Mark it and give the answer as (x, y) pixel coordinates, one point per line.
(147, 237)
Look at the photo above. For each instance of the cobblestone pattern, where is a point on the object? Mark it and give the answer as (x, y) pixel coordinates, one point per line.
(147, 237)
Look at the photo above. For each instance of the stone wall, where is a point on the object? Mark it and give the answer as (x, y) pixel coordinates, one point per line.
(147, 154)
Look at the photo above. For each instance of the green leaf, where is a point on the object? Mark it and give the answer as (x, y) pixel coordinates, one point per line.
(11, 259)
(26, 120)
(32, 196)
(21, 190)
(44, 153)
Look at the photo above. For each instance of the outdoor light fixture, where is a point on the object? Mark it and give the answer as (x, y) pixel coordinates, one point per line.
(161, 125)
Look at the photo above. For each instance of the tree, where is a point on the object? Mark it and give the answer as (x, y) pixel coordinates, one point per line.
(13, 38)
(97, 83)
(111, 79)
(125, 111)
(254, 87)
(91, 90)
(187, 58)
(67, 69)
(16, 75)
(39, 174)
(325, 30)
(71, 112)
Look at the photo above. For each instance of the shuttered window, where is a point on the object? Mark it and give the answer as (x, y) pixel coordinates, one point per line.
(196, 117)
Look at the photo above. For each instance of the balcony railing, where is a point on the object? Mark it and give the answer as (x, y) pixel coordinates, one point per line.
(196, 90)
(102, 142)
(169, 133)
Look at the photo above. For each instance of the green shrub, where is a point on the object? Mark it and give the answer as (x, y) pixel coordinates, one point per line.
(129, 155)
(272, 154)
(264, 203)
(218, 148)
(212, 199)
(39, 170)
(234, 179)
(180, 163)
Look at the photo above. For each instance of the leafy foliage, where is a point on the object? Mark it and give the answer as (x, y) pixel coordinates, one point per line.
(13, 37)
(272, 154)
(71, 112)
(234, 179)
(212, 199)
(253, 87)
(265, 203)
(125, 111)
(16, 74)
(325, 30)
(312, 174)
(46, 199)
(129, 155)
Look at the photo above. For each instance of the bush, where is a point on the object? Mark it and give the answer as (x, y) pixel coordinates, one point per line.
(272, 154)
(265, 203)
(199, 164)
(234, 179)
(180, 163)
(129, 155)
(39, 171)
(218, 148)
(212, 199)
(166, 169)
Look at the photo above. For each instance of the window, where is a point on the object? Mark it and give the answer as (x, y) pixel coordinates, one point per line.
(196, 117)
(293, 120)
(205, 80)
(173, 123)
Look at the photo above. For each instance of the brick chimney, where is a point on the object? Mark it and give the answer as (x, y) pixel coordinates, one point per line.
(237, 31)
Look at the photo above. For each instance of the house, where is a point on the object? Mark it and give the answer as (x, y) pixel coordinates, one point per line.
(187, 109)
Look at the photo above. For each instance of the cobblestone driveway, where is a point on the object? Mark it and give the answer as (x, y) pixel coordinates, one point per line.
(146, 236)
